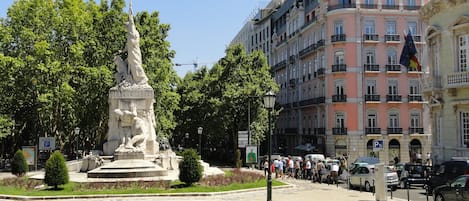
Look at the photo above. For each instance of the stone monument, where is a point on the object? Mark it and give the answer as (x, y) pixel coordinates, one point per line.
(132, 138)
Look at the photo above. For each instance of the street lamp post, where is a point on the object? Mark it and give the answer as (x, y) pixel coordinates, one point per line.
(269, 101)
(186, 144)
(199, 131)
(77, 132)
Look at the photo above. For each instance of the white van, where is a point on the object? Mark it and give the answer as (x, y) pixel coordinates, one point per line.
(315, 157)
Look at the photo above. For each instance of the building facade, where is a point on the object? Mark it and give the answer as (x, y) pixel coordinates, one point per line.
(341, 85)
(447, 83)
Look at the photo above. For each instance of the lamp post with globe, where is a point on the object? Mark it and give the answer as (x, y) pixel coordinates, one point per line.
(269, 102)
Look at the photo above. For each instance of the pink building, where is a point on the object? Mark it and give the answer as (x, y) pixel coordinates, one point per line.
(341, 85)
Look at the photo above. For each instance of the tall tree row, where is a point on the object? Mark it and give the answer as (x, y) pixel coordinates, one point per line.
(56, 70)
(218, 100)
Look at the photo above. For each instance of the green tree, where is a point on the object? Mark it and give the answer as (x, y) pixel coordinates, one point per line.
(56, 170)
(190, 169)
(19, 167)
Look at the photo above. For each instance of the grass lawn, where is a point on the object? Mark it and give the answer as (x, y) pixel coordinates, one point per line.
(233, 181)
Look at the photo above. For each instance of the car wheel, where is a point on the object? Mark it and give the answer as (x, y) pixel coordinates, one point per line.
(367, 186)
(402, 185)
(439, 197)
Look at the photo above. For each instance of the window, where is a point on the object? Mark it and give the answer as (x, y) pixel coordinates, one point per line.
(370, 57)
(463, 53)
(411, 2)
(412, 26)
(390, 2)
(372, 120)
(339, 87)
(414, 87)
(338, 28)
(390, 27)
(369, 27)
(393, 120)
(339, 57)
(339, 120)
(415, 120)
(392, 87)
(392, 56)
(369, 2)
(464, 122)
(435, 57)
(323, 60)
(371, 87)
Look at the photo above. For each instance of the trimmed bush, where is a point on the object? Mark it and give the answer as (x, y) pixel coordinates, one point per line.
(19, 167)
(190, 169)
(56, 170)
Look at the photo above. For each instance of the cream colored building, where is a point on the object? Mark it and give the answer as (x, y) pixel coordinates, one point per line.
(446, 86)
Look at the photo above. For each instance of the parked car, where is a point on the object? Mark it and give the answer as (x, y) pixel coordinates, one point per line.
(364, 175)
(414, 174)
(455, 190)
(447, 171)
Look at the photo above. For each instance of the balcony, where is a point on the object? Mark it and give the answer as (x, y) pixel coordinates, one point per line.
(341, 6)
(371, 67)
(457, 79)
(394, 130)
(291, 130)
(391, 7)
(339, 98)
(280, 65)
(372, 130)
(371, 37)
(338, 38)
(321, 72)
(319, 131)
(374, 98)
(415, 98)
(291, 59)
(393, 98)
(415, 130)
(339, 131)
(321, 99)
(417, 38)
(320, 43)
(392, 38)
(408, 7)
(307, 50)
(292, 82)
(339, 68)
(393, 68)
(369, 6)
(308, 102)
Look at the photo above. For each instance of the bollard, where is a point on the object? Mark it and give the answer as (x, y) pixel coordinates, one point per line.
(360, 185)
(374, 189)
(391, 192)
(408, 194)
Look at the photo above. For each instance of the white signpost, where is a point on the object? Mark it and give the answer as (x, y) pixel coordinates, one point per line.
(242, 139)
(47, 143)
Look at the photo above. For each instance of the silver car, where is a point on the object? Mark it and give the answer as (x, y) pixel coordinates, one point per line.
(363, 176)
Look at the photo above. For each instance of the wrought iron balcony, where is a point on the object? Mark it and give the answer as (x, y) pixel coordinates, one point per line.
(320, 43)
(393, 67)
(408, 7)
(415, 98)
(339, 68)
(372, 97)
(320, 131)
(292, 82)
(339, 98)
(340, 6)
(338, 37)
(339, 131)
(321, 99)
(417, 38)
(393, 98)
(394, 130)
(391, 7)
(415, 130)
(321, 71)
(372, 130)
(291, 130)
(392, 37)
(281, 64)
(369, 6)
(371, 67)
(371, 37)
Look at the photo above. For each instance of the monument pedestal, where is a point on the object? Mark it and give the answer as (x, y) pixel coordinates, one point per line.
(130, 168)
(129, 155)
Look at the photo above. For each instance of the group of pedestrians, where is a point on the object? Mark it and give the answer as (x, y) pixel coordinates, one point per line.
(316, 171)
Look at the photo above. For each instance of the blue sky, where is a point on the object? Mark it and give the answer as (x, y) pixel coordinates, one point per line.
(200, 29)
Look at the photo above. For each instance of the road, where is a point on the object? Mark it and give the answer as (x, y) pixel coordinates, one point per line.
(414, 193)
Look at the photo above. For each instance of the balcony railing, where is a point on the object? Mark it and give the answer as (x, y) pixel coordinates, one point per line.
(369, 6)
(371, 37)
(292, 59)
(340, 6)
(392, 37)
(339, 131)
(393, 67)
(321, 99)
(320, 43)
(394, 130)
(321, 71)
(372, 130)
(291, 130)
(371, 67)
(408, 7)
(415, 98)
(415, 130)
(307, 50)
(393, 98)
(458, 79)
(417, 38)
(280, 64)
(338, 37)
(373, 97)
(339, 98)
(391, 7)
(319, 131)
(292, 82)
(339, 68)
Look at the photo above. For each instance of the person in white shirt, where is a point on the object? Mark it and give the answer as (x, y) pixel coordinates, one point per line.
(335, 172)
(291, 167)
(308, 169)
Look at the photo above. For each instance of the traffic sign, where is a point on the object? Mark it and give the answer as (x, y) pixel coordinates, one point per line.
(378, 145)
